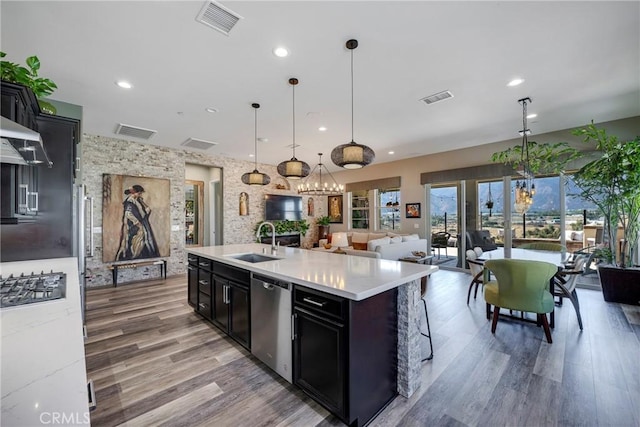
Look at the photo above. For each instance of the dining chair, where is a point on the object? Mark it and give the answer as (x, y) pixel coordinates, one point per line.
(520, 285)
(565, 284)
(544, 246)
(477, 271)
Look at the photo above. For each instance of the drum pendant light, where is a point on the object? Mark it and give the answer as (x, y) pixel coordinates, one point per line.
(294, 168)
(255, 177)
(352, 155)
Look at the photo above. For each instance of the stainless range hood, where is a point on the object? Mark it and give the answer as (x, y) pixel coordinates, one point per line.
(26, 144)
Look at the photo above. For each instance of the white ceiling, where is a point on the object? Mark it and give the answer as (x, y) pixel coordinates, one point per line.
(580, 62)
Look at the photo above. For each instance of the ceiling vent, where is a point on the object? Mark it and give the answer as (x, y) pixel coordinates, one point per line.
(437, 97)
(218, 17)
(135, 132)
(200, 144)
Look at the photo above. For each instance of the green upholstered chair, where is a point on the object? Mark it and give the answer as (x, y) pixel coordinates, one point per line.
(544, 246)
(520, 285)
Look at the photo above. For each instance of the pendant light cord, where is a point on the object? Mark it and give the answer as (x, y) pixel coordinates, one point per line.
(294, 120)
(352, 140)
(255, 139)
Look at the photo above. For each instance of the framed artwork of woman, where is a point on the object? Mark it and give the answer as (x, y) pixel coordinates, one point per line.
(335, 209)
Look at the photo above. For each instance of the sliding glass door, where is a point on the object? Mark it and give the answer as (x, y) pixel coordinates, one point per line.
(445, 226)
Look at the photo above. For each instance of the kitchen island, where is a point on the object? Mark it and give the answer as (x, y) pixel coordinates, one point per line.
(356, 292)
(44, 377)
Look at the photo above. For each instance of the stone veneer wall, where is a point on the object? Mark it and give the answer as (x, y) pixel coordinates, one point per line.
(102, 155)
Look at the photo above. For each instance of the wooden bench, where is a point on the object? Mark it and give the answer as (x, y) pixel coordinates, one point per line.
(115, 267)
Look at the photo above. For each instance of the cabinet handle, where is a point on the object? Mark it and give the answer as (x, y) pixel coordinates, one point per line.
(23, 198)
(294, 335)
(191, 268)
(32, 195)
(316, 303)
(203, 282)
(203, 264)
(91, 238)
(201, 305)
(225, 294)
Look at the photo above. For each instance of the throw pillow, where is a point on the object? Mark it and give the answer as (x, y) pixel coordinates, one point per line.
(360, 246)
(410, 237)
(371, 245)
(397, 239)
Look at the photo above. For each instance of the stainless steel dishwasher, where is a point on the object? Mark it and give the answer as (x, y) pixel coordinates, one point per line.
(271, 323)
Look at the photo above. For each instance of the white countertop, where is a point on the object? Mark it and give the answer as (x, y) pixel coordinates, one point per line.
(43, 373)
(352, 277)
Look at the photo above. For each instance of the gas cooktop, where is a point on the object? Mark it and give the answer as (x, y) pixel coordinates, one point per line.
(31, 288)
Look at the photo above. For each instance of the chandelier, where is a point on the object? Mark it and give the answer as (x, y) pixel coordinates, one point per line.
(319, 187)
(525, 187)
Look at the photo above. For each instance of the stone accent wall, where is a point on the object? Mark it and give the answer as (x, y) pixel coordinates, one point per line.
(409, 349)
(102, 155)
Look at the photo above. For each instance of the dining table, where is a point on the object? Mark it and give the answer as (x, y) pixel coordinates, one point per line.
(560, 259)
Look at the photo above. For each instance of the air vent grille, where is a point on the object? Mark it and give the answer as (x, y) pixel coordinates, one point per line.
(135, 132)
(200, 144)
(218, 17)
(437, 97)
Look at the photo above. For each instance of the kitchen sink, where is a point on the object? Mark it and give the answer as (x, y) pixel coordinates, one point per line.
(253, 258)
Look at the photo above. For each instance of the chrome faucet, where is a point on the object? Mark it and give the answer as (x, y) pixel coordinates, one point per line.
(274, 248)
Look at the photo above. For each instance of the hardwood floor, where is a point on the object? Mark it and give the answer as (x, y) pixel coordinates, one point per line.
(155, 362)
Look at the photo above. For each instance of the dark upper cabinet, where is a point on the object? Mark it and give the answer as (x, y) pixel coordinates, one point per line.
(37, 201)
(20, 105)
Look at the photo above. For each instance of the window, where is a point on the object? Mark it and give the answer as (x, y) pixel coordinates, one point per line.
(388, 208)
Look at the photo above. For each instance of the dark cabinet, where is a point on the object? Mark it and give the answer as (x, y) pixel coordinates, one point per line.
(192, 280)
(345, 352)
(231, 306)
(221, 304)
(199, 283)
(320, 359)
(37, 201)
(20, 105)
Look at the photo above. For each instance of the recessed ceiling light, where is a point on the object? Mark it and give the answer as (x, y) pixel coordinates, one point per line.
(322, 128)
(515, 82)
(124, 84)
(392, 152)
(532, 115)
(211, 110)
(281, 52)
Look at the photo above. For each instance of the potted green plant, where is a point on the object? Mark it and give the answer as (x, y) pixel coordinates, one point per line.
(323, 226)
(28, 76)
(285, 227)
(612, 182)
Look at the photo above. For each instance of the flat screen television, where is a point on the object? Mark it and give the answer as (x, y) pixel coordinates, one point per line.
(278, 207)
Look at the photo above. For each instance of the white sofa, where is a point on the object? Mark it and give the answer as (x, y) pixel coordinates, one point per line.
(392, 246)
